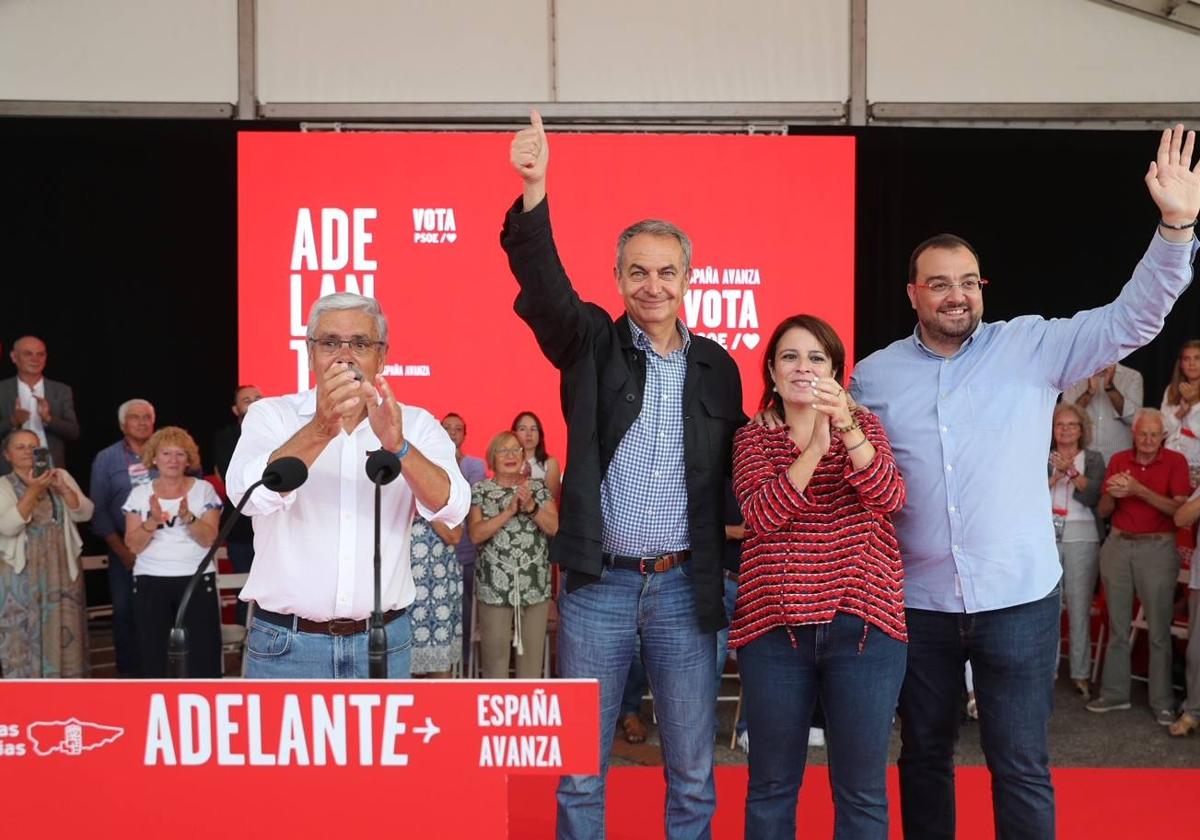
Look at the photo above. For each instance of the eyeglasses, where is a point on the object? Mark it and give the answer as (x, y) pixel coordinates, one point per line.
(360, 347)
(510, 451)
(938, 288)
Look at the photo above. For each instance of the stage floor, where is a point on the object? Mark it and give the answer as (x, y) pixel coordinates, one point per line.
(1093, 804)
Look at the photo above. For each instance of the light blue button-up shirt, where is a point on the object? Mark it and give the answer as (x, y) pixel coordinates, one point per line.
(971, 433)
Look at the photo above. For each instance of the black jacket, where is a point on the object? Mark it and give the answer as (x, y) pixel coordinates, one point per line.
(603, 378)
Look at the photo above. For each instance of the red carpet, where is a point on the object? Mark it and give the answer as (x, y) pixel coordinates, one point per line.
(1092, 804)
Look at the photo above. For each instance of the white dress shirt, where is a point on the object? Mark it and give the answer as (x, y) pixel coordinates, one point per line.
(1112, 432)
(28, 397)
(313, 548)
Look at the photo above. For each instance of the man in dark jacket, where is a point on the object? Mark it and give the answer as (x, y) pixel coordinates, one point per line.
(651, 410)
(43, 406)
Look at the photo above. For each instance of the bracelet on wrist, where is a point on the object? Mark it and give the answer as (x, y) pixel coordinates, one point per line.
(1183, 226)
(855, 446)
(844, 430)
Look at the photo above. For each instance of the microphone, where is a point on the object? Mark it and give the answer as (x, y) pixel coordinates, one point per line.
(282, 475)
(383, 467)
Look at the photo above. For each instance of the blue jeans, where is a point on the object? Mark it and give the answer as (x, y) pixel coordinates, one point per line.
(858, 689)
(277, 653)
(636, 683)
(597, 628)
(1012, 653)
(125, 635)
(723, 649)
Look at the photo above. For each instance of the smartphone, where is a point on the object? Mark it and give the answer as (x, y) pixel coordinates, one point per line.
(41, 461)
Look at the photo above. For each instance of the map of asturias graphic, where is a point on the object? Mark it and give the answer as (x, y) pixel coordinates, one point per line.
(70, 737)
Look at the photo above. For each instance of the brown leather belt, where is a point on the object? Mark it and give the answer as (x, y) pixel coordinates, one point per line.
(337, 627)
(1157, 535)
(646, 565)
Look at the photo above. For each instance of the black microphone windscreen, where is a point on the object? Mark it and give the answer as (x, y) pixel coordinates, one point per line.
(285, 474)
(383, 466)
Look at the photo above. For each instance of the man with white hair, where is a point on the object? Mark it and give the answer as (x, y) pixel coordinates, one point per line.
(1143, 488)
(312, 578)
(43, 406)
(116, 470)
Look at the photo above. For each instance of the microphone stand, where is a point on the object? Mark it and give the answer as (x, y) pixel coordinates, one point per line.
(177, 646)
(383, 467)
(283, 475)
(377, 666)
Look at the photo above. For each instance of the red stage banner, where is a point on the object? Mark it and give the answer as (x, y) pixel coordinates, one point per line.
(109, 758)
(414, 219)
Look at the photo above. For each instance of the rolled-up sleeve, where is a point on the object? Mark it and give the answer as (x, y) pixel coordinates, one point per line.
(264, 429)
(427, 435)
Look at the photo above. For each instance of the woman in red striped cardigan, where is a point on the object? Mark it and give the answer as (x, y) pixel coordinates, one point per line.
(820, 603)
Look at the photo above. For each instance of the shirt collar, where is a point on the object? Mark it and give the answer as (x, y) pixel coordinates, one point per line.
(642, 341)
(36, 388)
(1157, 457)
(920, 345)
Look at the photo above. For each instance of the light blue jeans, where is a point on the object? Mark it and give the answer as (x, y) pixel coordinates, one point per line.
(279, 653)
(598, 626)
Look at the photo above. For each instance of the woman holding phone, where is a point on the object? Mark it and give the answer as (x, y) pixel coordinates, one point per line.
(43, 615)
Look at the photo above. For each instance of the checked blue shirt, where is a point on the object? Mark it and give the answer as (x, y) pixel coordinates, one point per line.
(643, 496)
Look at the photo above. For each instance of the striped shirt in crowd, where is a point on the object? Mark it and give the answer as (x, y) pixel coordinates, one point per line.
(832, 548)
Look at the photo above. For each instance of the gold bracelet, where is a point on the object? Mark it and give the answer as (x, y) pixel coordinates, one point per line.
(841, 430)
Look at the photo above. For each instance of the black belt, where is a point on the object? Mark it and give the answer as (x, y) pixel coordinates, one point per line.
(646, 565)
(337, 627)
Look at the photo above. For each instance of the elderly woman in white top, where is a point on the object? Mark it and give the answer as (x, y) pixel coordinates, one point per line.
(43, 620)
(1076, 478)
(170, 523)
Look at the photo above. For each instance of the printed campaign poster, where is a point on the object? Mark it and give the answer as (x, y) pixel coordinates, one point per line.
(414, 220)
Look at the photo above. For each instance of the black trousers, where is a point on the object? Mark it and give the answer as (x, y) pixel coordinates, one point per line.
(155, 602)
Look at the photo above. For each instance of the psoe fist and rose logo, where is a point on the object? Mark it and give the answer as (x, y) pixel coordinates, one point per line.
(47, 737)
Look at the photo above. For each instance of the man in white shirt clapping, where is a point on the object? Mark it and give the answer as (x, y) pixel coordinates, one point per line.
(312, 579)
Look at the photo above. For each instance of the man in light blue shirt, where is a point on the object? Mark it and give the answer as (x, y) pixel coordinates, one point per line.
(968, 406)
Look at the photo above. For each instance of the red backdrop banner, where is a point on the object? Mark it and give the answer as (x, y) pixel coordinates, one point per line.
(100, 758)
(414, 220)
